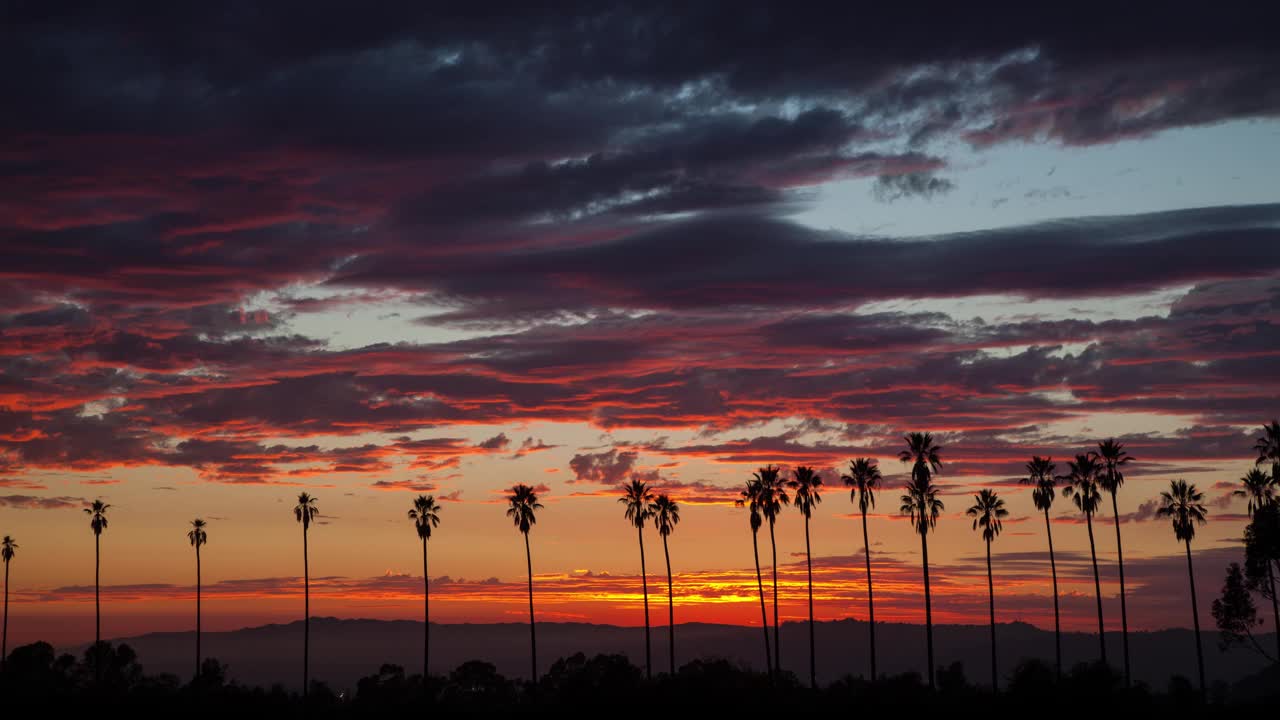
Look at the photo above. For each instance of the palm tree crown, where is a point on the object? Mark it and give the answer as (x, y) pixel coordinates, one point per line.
(425, 515)
(923, 451)
(638, 499)
(772, 492)
(807, 486)
(1259, 487)
(987, 512)
(920, 501)
(1183, 504)
(1040, 476)
(97, 513)
(197, 535)
(1268, 447)
(863, 480)
(522, 507)
(749, 498)
(1112, 456)
(8, 548)
(306, 511)
(1083, 484)
(665, 513)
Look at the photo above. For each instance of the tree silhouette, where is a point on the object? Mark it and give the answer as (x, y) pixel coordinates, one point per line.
(1110, 477)
(8, 548)
(749, 497)
(1268, 448)
(1263, 491)
(864, 480)
(666, 515)
(425, 515)
(197, 536)
(522, 508)
(920, 502)
(97, 513)
(1184, 506)
(773, 497)
(1040, 477)
(1236, 615)
(1083, 491)
(987, 512)
(304, 512)
(807, 486)
(638, 500)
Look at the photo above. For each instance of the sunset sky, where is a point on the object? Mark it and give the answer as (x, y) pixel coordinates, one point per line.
(368, 252)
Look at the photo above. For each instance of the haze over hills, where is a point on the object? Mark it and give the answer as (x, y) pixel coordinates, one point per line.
(344, 650)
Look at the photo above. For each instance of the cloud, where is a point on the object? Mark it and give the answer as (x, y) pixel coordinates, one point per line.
(890, 188)
(32, 502)
(604, 468)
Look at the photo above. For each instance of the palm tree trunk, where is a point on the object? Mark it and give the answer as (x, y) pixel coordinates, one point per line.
(871, 605)
(306, 615)
(777, 641)
(1057, 623)
(533, 635)
(4, 643)
(644, 584)
(808, 556)
(764, 616)
(97, 607)
(671, 609)
(1097, 588)
(1124, 611)
(198, 628)
(426, 618)
(991, 601)
(1275, 607)
(1195, 617)
(928, 606)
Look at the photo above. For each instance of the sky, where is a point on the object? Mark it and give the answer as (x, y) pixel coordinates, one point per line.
(371, 252)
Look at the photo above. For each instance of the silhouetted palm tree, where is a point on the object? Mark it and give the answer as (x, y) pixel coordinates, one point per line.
(807, 486)
(522, 508)
(1184, 505)
(1268, 448)
(425, 515)
(197, 536)
(8, 548)
(97, 513)
(666, 515)
(1110, 478)
(1083, 491)
(750, 498)
(304, 512)
(638, 499)
(1040, 477)
(773, 496)
(920, 501)
(1263, 491)
(988, 513)
(864, 480)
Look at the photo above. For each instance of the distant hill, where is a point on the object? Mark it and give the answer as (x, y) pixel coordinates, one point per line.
(344, 650)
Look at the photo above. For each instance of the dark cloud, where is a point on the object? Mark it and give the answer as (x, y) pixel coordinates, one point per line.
(33, 502)
(889, 188)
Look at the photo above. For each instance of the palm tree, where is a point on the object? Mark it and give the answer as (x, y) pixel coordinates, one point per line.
(1040, 477)
(750, 498)
(863, 480)
(304, 512)
(807, 486)
(666, 515)
(1262, 491)
(1268, 447)
(638, 499)
(8, 549)
(425, 515)
(1113, 456)
(522, 508)
(97, 513)
(920, 501)
(988, 512)
(1183, 504)
(197, 536)
(1083, 491)
(773, 496)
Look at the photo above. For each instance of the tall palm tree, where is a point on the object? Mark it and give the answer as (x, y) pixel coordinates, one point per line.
(1110, 477)
(304, 512)
(863, 480)
(750, 498)
(773, 497)
(1268, 448)
(1040, 477)
(638, 499)
(198, 536)
(1184, 505)
(97, 513)
(807, 486)
(666, 515)
(1263, 491)
(988, 512)
(1082, 488)
(8, 548)
(425, 515)
(522, 508)
(920, 501)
